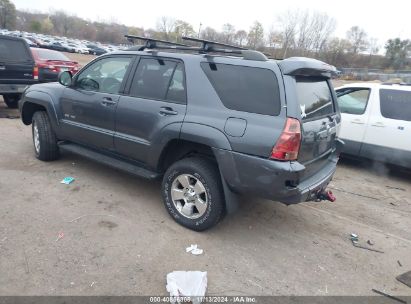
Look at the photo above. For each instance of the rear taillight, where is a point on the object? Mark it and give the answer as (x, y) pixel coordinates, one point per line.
(288, 144)
(36, 72)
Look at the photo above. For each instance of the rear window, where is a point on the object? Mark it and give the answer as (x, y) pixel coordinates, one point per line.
(395, 104)
(246, 89)
(314, 97)
(14, 50)
(50, 55)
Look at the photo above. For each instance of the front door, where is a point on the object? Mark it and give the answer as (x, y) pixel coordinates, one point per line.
(153, 111)
(88, 107)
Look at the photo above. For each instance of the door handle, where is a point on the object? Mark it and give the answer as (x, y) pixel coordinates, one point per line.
(378, 124)
(107, 101)
(165, 111)
(357, 121)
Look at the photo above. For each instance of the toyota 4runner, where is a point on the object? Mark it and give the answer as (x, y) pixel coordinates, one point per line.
(213, 122)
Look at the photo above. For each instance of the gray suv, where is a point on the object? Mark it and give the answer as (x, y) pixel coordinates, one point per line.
(213, 122)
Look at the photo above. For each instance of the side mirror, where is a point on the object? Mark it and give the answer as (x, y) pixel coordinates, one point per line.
(65, 78)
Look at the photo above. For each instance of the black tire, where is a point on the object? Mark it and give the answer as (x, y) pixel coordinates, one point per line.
(48, 149)
(207, 173)
(12, 100)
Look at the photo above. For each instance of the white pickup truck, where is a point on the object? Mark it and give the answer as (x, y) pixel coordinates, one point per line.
(376, 121)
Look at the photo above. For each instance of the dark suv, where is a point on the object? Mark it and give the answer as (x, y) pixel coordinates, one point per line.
(212, 126)
(17, 69)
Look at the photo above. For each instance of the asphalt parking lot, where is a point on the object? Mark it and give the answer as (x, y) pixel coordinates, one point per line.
(119, 239)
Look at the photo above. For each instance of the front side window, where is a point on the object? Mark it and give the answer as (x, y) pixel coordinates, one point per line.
(353, 100)
(314, 97)
(396, 104)
(105, 75)
(159, 79)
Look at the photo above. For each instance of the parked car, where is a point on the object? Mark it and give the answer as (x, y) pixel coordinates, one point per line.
(17, 69)
(376, 121)
(58, 46)
(211, 126)
(95, 50)
(50, 63)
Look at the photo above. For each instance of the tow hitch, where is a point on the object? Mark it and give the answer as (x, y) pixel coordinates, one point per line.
(325, 195)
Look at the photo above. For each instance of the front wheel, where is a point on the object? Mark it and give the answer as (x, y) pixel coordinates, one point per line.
(193, 193)
(44, 138)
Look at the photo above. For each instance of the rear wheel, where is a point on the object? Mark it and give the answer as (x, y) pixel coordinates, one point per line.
(11, 100)
(193, 193)
(44, 138)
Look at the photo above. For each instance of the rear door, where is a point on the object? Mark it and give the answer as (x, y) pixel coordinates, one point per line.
(355, 111)
(388, 135)
(319, 121)
(16, 61)
(154, 110)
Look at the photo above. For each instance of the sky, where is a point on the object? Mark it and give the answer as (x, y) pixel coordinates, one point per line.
(380, 19)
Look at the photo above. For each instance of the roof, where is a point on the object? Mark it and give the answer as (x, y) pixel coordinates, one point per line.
(376, 85)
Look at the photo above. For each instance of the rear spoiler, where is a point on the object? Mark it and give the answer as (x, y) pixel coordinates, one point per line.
(302, 66)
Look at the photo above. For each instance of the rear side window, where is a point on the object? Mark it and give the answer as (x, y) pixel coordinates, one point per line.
(14, 51)
(353, 101)
(395, 104)
(246, 89)
(314, 97)
(160, 80)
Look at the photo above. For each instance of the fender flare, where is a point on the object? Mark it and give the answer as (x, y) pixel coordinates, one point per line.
(42, 99)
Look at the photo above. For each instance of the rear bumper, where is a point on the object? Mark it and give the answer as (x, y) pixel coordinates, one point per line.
(13, 88)
(274, 180)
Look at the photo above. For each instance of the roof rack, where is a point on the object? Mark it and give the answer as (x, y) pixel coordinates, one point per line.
(207, 47)
(151, 43)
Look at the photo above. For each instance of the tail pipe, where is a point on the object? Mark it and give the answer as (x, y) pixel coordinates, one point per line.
(324, 195)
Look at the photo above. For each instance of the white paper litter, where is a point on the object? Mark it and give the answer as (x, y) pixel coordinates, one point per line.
(194, 249)
(192, 284)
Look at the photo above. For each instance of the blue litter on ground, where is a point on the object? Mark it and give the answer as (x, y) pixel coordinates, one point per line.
(67, 180)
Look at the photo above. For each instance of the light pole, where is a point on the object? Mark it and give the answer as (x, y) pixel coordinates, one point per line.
(199, 30)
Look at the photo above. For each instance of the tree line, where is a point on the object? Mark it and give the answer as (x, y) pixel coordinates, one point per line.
(294, 33)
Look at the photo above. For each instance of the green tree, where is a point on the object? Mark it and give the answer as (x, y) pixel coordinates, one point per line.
(256, 35)
(35, 26)
(397, 52)
(7, 14)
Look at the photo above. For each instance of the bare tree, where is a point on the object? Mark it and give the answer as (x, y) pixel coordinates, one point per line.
(358, 39)
(256, 35)
(210, 34)
(240, 37)
(166, 26)
(228, 33)
(288, 24)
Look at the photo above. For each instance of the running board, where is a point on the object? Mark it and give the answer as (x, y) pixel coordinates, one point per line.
(109, 161)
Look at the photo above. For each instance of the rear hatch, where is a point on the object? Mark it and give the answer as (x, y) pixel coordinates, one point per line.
(16, 61)
(319, 122)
